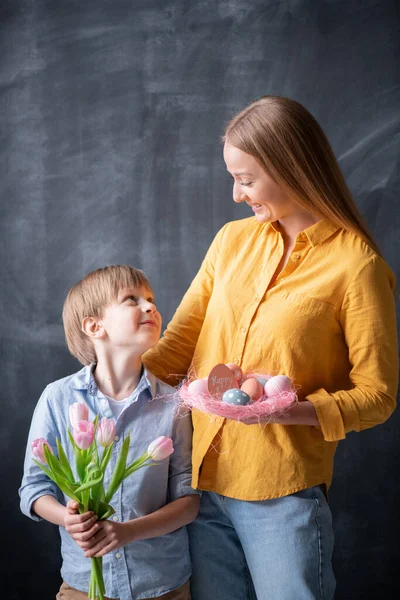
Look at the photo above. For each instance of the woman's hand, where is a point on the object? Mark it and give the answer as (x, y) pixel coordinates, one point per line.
(82, 527)
(301, 413)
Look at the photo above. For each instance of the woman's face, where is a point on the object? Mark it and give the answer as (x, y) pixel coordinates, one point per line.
(253, 185)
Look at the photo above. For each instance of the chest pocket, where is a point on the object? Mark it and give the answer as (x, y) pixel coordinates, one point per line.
(293, 324)
(309, 306)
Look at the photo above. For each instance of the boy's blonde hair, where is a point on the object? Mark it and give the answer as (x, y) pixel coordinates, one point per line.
(89, 297)
(290, 145)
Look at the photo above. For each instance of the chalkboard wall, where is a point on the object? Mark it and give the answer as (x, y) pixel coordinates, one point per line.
(111, 114)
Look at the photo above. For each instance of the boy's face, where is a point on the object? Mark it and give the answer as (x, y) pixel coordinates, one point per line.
(132, 320)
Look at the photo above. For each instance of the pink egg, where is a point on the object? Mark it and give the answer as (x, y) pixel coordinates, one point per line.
(236, 370)
(277, 385)
(253, 388)
(198, 386)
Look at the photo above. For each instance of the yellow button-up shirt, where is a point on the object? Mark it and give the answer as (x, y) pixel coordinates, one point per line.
(328, 322)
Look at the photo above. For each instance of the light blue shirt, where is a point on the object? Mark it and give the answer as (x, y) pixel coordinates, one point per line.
(142, 569)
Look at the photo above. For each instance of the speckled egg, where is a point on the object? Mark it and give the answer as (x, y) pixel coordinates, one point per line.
(236, 397)
(236, 370)
(198, 386)
(253, 388)
(277, 385)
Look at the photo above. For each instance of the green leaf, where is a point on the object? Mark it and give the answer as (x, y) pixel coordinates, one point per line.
(90, 483)
(119, 470)
(71, 439)
(107, 513)
(64, 462)
(46, 470)
(137, 464)
(80, 462)
(53, 463)
(106, 457)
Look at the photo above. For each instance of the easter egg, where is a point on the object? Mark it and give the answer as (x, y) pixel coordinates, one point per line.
(220, 380)
(277, 385)
(198, 386)
(263, 380)
(253, 388)
(235, 396)
(236, 370)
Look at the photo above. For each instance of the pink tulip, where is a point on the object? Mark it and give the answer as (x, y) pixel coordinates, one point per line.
(78, 411)
(160, 448)
(105, 432)
(83, 434)
(38, 449)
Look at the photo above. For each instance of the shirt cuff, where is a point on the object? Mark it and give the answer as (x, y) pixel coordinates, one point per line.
(328, 414)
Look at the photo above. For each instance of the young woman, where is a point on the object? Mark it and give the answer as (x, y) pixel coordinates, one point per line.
(301, 289)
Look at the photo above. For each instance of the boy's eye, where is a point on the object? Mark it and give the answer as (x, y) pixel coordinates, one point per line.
(132, 298)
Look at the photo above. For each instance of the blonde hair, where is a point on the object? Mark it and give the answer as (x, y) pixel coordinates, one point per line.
(291, 146)
(89, 297)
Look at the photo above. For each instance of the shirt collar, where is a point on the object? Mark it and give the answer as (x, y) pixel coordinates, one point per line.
(84, 380)
(316, 234)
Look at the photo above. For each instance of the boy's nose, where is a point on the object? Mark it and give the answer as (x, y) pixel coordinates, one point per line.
(148, 307)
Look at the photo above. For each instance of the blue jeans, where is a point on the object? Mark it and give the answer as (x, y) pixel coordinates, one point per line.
(276, 549)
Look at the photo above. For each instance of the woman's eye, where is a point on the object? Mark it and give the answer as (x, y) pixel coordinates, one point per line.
(246, 183)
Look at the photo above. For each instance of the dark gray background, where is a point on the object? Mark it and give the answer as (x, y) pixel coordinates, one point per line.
(111, 114)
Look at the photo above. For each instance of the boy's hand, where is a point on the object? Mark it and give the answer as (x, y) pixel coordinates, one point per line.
(80, 527)
(110, 536)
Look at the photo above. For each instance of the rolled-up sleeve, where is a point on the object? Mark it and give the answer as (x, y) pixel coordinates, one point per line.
(180, 466)
(368, 320)
(35, 482)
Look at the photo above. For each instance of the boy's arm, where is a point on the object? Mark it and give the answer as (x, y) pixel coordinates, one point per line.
(170, 517)
(181, 510)
(80, 527)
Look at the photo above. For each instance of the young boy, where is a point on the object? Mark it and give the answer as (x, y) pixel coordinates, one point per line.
(110, 320)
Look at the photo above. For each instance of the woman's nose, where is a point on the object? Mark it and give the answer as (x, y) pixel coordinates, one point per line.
(238, 193)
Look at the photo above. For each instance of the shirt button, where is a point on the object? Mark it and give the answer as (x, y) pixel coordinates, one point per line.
(236, 361)
(243, 330)
(283, 279)
(296, 256)
(257, 297)
(104, 401)
(114, 518)
(118, 555)
(116, 438)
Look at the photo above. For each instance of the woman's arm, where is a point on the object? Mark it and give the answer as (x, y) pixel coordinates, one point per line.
(368, 319)
(170, 359)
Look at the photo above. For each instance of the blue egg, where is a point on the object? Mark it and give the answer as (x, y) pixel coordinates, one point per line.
(262, 380)
(237, 397)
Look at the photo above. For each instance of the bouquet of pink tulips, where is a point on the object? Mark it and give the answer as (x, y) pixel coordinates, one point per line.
(86, 486)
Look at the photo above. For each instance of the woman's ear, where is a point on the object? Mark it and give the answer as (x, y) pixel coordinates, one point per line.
(92, 328)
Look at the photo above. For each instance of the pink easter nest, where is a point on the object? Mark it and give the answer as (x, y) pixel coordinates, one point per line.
(264, 408)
